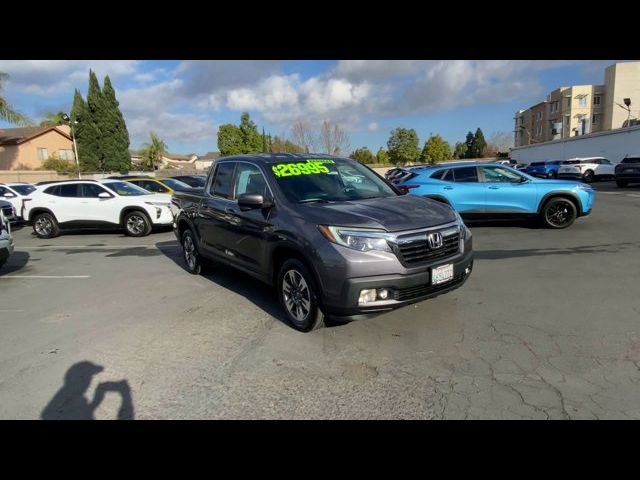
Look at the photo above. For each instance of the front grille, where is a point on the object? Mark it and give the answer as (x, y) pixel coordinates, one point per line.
(418, 251)
(418, 291)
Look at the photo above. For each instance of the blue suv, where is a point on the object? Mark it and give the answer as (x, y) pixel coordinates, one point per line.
(546, 169)
(484, 190)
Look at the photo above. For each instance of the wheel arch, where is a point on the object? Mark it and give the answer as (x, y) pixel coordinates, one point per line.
(37, 210)
(281, 253)
(133, 208)
(560, 194)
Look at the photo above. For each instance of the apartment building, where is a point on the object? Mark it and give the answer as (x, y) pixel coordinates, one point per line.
(581, 109)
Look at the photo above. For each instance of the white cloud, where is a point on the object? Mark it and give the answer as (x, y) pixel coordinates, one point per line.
(373, 127)
(172, 127)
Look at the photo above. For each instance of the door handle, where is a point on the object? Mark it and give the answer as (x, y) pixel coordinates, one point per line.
(447, 188)
(493, 187)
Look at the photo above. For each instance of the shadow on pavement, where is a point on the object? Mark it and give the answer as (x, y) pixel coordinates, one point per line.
(528, 223)
(253, 290)
(70, 403)
(16, 262)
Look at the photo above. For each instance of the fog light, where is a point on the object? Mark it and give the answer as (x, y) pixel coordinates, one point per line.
(367, 296)
(383, 293)
(467, 271)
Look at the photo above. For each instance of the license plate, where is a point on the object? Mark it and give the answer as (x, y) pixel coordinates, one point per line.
(441, 274)
(629, 170)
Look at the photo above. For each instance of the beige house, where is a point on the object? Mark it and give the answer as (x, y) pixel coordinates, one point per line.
(581, 109)
(28, 147)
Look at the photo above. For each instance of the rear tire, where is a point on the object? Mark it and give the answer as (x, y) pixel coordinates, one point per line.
(621, 183)
(553, 174)
(137, 224)
(194, 262)
(559, 213)
(298, 295)
(588, 176)
(45, 225)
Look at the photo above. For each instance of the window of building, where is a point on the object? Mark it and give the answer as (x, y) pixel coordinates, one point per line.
(596, 99)
(595, 119)
(582, 101)
(568, 102)
(43, 154)
(65, 155)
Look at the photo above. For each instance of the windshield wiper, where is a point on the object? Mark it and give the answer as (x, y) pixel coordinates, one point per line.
(314, 200)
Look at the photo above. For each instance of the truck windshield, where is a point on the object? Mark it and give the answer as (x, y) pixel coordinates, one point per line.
(631, 160)
(328, 180)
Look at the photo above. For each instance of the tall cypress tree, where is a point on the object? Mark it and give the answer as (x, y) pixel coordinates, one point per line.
(115, 135)
(94, 125)
(480, 143)
(470, 143)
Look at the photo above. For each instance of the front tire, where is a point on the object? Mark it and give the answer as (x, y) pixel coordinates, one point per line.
(45, 225)
(553, 174)
(621, 183)
(588, 176)
(137, 224)
(298, 295)
(559, 213)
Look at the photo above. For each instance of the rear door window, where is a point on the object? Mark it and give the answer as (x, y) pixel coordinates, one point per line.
(222, 185)
(465, 174)
(69, 190)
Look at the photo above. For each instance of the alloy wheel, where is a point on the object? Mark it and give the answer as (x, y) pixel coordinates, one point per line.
(297, 296)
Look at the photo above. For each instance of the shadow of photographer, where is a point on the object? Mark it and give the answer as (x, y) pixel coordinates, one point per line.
(70, 403)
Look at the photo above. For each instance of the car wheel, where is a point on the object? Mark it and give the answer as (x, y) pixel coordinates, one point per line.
(621, 183)
(45, 226)
(195, 263)
(2, 262)
(297, 294)
(588, 176)
(137, 224)
(553, 174)
(559, 213)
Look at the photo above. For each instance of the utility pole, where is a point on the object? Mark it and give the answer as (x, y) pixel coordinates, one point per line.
(66, 118)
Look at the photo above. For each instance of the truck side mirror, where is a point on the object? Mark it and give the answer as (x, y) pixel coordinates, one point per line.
(252, 201)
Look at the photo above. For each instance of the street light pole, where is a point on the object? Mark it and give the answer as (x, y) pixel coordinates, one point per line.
(75, 145)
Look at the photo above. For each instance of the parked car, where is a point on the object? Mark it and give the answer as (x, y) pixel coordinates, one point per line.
(8, 210)
(14, 193)
(127, 177)
(546, 169)
(6, 240)
(628, 171)
(160, 185)
(194, 181)
(586, 169)
(109, 204)
(330, 246)
(487, 190)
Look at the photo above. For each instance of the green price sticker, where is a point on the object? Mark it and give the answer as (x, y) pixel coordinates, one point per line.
(310, 167)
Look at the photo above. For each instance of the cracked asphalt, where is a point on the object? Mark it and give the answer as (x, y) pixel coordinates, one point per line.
(547, 327)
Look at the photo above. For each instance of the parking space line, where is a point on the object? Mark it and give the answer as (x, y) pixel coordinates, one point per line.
(44, 276)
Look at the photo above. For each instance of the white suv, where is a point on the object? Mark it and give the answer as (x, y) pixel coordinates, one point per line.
(14, 193)
(586, 169)
(91, 204)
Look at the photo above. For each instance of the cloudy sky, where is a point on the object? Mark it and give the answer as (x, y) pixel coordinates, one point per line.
(186, 101)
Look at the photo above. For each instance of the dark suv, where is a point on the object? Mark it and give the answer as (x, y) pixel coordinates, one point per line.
(628, 171)
(330, 234)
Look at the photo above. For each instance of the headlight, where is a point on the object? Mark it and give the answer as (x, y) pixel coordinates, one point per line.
(360, 239)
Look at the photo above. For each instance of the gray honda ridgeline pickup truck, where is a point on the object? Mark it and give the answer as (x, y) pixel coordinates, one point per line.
(331, 235)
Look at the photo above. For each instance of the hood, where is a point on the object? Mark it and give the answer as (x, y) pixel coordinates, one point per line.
(404, 212)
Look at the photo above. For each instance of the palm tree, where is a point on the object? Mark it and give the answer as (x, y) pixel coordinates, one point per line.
(153, 152)
(7, 113)
(53, 119)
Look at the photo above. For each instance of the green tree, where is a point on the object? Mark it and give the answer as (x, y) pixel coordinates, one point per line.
(89, 132)
(470, 146)
(7, 113)
(382, 156)
(153, 152)
(480, 144)
(53, 119)
(436, 149)
(403, 146)
(115, 136)
(364, 156)
(230, 140)
(460, 150)
(282, 145)
(251, 139)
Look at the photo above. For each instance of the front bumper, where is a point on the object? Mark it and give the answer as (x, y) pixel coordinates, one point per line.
(405, 289)
(628, 177)
(165, 218)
